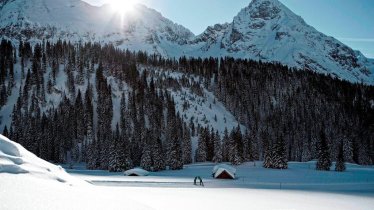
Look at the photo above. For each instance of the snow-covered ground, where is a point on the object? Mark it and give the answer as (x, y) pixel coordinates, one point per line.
(299, 187)
(299, 176)
(25, 192)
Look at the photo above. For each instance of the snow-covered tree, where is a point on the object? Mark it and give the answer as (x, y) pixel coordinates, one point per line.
(186, 145)
(158, 156)
(280, 158)
(217, 158)
(146, 160)
(235, 147)
(201, 155)
(269, 157)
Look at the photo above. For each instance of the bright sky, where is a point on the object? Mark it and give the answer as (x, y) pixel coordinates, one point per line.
(350, 21)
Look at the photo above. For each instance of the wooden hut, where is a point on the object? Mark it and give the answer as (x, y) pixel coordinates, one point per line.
(223, 171)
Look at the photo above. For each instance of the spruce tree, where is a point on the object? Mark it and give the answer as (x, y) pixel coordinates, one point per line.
(201, 155)
(158, 156)
(340, 164)
(217, 158)
(233, 147)
(269, 157)
(324, 161)
(114, 161)
(146, 161)
(186, 145)
(124, 152)
(173, 141)
(88, 115)
(79, 118)
(225, 146)
(5, 132)
(280, 159)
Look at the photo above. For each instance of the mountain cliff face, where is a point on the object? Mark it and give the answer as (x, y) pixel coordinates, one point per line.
(265, 30)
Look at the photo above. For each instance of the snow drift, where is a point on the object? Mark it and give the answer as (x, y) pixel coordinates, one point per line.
(15, 159)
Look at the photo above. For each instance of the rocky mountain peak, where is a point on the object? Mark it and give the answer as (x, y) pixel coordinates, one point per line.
(264, 9)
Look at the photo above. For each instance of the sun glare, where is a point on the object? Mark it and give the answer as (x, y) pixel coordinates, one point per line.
(123, 6)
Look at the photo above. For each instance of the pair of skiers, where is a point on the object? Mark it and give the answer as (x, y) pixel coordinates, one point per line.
(201, 181)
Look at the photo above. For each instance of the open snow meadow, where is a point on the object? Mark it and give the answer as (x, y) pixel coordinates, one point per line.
(27, 182)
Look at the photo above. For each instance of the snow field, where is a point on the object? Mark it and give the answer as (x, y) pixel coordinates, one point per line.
(27, 182)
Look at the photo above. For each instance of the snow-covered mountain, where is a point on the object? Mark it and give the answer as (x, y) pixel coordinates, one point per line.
(265, 30)
(268, 30)
(74, 20)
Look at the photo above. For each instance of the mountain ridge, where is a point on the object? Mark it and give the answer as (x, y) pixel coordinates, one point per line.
(264, 30)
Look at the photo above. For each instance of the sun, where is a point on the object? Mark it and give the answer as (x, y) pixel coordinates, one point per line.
(123, 6)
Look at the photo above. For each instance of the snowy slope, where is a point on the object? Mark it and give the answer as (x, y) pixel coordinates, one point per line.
(14, 159)
(202, 109)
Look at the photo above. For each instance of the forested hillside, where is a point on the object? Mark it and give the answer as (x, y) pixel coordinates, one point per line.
(116, 109)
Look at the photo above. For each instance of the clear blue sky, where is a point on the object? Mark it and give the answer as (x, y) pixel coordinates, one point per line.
(350, 21)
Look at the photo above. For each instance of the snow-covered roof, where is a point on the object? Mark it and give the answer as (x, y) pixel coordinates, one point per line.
(137, 171)
(224, 166)
(221, 168)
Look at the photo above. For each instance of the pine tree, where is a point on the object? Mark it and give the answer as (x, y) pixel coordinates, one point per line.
(246, 147)
(209, 140)
(201, 155)
(217, 158)
(269, 157)
(79, 117)
(114, 161)
(348, 149)
(234, 155)
(158, 156)
(125, 161)
(340, 164)
(5, 132)
(280, 159)
(173, 142)
(3, 95)
(146, 161)
(324, 161)
(186, 145)
(88, 115)
(225, 146)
